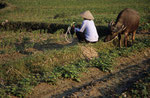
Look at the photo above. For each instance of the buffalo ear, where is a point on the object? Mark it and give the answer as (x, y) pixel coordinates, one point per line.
(111, 24)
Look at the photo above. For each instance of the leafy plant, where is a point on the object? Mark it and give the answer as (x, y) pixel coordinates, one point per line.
(139, 89)
(145, 27)
(25, 44)
(49, 65)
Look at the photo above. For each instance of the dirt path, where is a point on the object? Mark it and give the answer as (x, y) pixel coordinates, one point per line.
(96, 83)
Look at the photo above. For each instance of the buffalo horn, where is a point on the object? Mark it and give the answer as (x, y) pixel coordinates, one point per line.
(123, 27)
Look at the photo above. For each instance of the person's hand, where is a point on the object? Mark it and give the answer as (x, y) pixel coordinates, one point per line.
(73, 26)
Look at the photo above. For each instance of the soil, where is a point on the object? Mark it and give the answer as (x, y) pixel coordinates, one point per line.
(89, 52)
(7, 57)
(96, 83)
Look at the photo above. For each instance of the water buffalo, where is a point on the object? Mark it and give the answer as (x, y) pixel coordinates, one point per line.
(127, 22)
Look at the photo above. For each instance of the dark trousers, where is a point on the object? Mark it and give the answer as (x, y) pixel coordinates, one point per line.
(81, 37)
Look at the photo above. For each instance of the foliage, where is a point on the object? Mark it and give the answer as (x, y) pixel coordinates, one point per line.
(68, 11)
(140, 89)
(43, 57)
(22, 46)
(145, 27)
(40, 73)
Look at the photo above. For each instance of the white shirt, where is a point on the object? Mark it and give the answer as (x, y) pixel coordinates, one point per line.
(90, 30)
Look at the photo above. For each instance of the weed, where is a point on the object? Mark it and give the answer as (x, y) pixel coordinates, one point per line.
(37, 70)
(71, 71)
(53, 59)
(145, 27)
(104, 62)
(140, 89)
(66, 12)
(2, 52)
(60, 35)
(22, 46)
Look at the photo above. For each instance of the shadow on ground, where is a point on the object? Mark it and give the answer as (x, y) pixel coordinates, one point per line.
(52, 46)
(2, 5)
(126, 77)
(44, 27)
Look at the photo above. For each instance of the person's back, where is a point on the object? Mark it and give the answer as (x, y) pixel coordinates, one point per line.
(90, 31)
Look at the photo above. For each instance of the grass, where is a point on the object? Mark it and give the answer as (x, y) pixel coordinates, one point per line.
(49, 64)
(29, 58)
(140, 88)
(68, 11)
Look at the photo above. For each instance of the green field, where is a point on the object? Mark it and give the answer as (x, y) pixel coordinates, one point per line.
(67, 11)
(29, 58)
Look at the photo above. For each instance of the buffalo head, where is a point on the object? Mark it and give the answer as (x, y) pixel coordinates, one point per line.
(114, 30)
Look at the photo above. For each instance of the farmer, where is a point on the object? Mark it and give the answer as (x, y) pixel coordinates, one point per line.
(87, 32)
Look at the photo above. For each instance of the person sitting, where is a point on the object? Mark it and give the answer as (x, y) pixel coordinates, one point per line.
(88, 31)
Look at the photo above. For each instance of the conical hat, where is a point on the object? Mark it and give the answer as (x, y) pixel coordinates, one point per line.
(87, 14)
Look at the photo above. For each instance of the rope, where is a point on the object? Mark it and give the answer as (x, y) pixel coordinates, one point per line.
(111, 40)
(68, 33)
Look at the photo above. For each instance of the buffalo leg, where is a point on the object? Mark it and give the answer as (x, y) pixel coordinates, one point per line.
(126, 39)
(133, 37)
(119, 36)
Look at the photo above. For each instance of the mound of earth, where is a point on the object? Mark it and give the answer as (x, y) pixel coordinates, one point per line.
(89, 52)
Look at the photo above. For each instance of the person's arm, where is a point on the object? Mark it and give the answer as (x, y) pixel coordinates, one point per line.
(82, 27)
